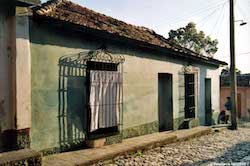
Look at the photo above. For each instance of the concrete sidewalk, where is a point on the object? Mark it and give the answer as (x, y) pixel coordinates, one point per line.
(91, 156)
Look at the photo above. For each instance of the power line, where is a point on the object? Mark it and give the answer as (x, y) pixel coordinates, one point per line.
(222, 20)
(217, 7)
(239, 54)
(244, 15)
(221, 17)
(218, 31)
(197, 12)
(204, 19)
(217, 21)
(244, 53)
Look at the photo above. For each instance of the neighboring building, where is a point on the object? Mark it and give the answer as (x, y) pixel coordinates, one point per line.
(7, 16)
(243, 94)
(80, 75)
(9, 40)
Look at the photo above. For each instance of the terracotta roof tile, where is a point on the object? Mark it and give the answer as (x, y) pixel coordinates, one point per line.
(70, 12)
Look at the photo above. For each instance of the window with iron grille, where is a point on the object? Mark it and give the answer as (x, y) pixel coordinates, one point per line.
(189, 96)
(76, 89)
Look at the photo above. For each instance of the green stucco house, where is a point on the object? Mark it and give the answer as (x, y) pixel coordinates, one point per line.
(75, 76)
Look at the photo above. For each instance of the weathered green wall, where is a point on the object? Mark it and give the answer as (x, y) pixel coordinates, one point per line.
(46, 49)
(140, 87)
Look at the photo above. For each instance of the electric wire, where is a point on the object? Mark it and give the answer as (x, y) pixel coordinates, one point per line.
(241, 11)
(217, 21)
(222, 20)
(195, 13)
(244, 53)
(204, 19)
(237, 54)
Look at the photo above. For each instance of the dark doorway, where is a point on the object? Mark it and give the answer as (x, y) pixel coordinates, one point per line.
(239, 105)
(208, 103)
(165, 101)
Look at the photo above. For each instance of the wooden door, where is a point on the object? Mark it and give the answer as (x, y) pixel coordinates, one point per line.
(239, 105)
(208, 102)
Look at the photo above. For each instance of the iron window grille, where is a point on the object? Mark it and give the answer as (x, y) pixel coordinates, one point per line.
(79, 66)
(189, 95)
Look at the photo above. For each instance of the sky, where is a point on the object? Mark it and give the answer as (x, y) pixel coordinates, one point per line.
(211, 16)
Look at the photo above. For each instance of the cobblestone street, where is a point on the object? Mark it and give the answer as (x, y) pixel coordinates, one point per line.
(224, 146)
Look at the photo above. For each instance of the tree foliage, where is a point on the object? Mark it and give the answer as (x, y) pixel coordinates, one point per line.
(189, 37)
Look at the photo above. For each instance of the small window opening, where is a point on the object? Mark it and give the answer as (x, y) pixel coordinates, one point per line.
(189, 96)
(101, 66)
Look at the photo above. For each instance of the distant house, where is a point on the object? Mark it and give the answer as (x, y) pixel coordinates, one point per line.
(73, 75)
(243, 94)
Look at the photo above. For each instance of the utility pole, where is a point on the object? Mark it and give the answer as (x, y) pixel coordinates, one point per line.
(233, 83)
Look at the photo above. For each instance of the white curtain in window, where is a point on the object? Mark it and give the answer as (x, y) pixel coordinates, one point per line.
(104, 99)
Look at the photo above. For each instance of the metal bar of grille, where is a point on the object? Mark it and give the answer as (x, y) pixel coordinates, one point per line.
(63, 105)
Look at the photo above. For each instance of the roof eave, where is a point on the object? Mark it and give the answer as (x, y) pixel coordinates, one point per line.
(24, 3)
(96, 32)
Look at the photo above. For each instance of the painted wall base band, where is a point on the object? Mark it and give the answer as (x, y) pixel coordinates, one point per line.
(15, 139)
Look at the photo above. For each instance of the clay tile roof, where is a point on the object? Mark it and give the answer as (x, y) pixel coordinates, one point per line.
(65, 10)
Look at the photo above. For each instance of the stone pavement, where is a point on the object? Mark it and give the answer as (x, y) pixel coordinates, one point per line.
(95, 155)
(21, 157)
(221, 148)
